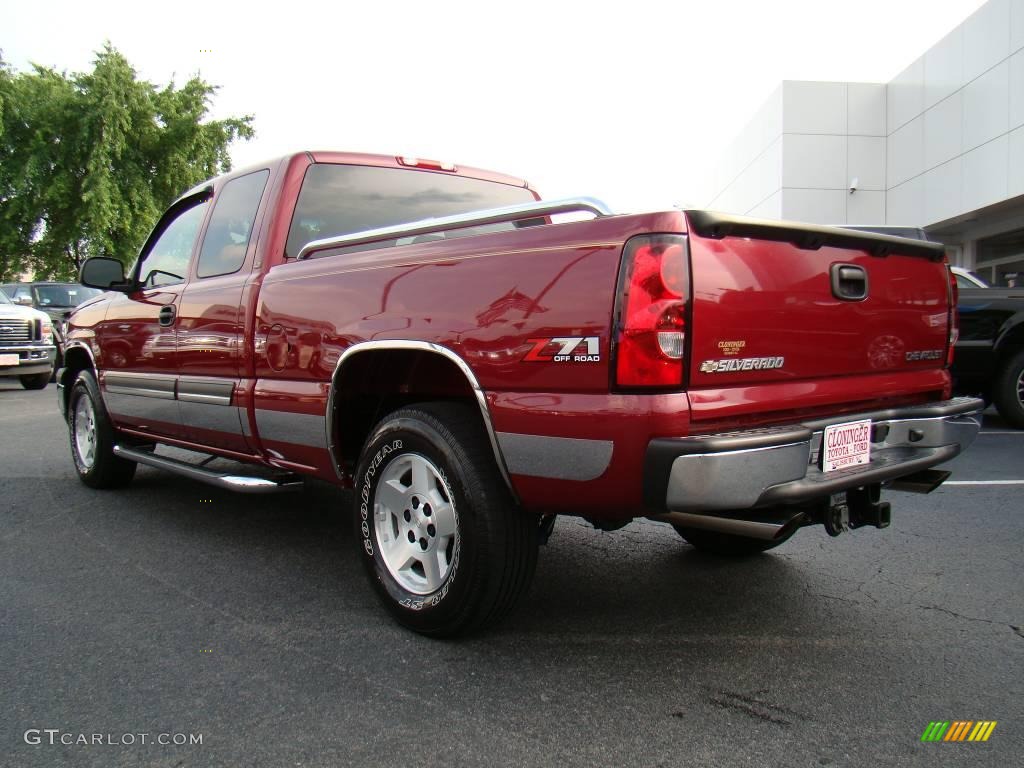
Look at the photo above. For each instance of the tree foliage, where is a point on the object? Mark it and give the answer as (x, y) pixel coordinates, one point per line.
(88, 161)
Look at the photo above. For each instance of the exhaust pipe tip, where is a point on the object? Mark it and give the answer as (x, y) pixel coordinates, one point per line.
(766, 524)
(925, 481)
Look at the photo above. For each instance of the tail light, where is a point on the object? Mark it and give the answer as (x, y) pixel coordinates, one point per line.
(954, 316)
(654, 287)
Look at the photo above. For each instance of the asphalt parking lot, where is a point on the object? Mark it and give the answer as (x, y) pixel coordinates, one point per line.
(173, 608)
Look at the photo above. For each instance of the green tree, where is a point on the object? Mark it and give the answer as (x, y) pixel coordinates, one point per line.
(88, 161)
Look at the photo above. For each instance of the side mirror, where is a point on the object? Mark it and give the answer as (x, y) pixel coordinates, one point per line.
(104, 273)
(25, 301)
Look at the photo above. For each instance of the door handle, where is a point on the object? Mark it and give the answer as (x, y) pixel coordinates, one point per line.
(167, 313)
(849, 282)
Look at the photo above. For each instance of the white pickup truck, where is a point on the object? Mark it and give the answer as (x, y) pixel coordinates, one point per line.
(26, 344)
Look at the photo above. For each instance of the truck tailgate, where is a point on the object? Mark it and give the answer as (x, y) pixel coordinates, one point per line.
(784, 308)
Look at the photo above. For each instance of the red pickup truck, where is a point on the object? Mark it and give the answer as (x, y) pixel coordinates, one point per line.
(428, 336)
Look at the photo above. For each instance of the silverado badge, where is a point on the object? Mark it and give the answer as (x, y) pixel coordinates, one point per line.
(732, 364)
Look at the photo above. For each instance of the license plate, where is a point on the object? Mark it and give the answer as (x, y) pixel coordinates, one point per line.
(8, 359)
(846, 445)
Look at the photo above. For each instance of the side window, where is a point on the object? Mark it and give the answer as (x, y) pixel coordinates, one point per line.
(167, 261)
(227, 236)
(963, 282)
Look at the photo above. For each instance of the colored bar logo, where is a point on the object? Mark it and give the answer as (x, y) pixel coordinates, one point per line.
(959, 730)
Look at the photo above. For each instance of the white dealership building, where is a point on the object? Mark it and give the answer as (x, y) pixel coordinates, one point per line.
(941, 147)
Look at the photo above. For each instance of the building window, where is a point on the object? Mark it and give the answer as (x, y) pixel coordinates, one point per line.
(1000, 259)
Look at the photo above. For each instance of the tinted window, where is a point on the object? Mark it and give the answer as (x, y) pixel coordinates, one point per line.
(227, 235)
(341, 199)
(167, 261)
(64, 295)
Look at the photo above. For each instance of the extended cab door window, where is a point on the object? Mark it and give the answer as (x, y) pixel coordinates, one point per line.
(166, 262)
(230, 228)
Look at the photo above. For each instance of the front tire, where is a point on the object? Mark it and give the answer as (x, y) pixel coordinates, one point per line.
(445, 546)
(1008, 391)
(728, 544)
(35, 380)
(92, 438)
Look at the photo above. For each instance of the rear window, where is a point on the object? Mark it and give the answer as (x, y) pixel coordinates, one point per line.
(342, 199)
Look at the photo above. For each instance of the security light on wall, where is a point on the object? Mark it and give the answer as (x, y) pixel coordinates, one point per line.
(853, 184)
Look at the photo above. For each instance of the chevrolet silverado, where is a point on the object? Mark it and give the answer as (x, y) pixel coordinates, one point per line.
(442, 342)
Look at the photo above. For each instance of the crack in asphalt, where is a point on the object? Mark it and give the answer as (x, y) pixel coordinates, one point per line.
(1016, 630)
(757, 708)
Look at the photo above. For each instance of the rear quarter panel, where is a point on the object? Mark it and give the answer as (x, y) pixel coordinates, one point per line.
(484, 297)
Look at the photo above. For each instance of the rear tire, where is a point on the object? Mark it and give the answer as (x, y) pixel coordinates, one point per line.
(92, 438)
(728, 544)
(35, 380)
(445, 546)
(1008, 390)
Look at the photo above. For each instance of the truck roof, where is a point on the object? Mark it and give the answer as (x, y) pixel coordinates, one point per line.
(362, 158)
(395, 161)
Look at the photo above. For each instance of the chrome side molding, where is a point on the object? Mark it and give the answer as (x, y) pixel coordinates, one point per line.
(460, 221)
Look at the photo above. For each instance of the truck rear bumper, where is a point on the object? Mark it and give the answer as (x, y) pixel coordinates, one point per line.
(781, 465)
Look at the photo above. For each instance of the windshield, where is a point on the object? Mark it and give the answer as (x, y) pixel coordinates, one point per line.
(4, 299)
(59, 295)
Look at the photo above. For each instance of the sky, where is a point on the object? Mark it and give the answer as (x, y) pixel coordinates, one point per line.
(631, 102)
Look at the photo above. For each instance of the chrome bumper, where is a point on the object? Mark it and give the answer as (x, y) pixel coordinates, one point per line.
(781, 465)
(32, 358)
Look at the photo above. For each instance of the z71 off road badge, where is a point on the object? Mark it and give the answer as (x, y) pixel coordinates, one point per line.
(565, 349)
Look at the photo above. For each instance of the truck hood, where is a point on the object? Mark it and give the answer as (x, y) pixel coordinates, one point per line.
(16, 312)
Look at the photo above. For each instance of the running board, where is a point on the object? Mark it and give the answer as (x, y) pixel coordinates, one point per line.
(237, 483)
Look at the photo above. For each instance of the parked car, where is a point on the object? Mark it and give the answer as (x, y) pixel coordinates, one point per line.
(425, 335)
(55, 299)
(989, 358)
(967, 279)
(26, 344)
